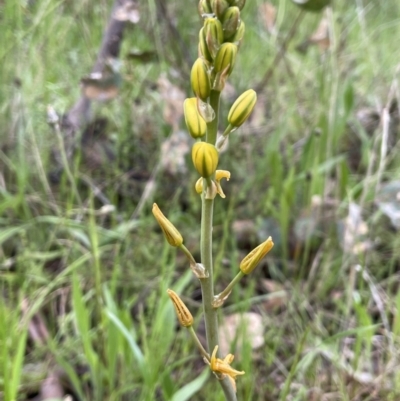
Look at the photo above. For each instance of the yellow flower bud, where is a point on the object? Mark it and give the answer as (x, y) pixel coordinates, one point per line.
(312, 5)
(184, 316)
(172, 235)
(199, 185)
(238, 36)
(231, 21)
(204, 7)
(196, 125)
(205, 158)
(219, 7)
(239, 3)
(213, 35)
(203, 48)
(200, 79)
(225, 58)
(242, 108)
(250, 262)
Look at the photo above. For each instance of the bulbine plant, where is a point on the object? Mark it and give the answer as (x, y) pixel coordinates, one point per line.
(219, 42)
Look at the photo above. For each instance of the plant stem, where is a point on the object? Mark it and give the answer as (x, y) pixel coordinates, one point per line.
(198, 343)
(207, 284)
(225, 293)
(207, 288)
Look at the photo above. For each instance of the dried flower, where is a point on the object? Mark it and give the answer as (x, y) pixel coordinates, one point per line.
(184, 316)
(222, 366)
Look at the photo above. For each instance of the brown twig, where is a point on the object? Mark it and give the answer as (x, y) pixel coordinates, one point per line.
(282, 51)
(80, 113)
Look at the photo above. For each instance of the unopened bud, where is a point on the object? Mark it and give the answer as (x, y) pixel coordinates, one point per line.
(219, 7)
(204, 7)
(184, 316)
(205, 158)
(200, 79)
(239, 3)
(196, 125)
(203, 48)
(250, 262)
(225, 59)
(312, 5)
(172, 235)
(230, 21)
(213, 35)
(242, 108)
(238, 36)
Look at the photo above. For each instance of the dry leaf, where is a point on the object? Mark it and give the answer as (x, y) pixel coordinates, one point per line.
(268, 15)
(173, 105)
(388, 201)
(355, 231)
(245, 231)
(278, 295)
(173, 152)
(128, 11)
(239, 328)
(51, 387)
(320, 37)
(271, 285)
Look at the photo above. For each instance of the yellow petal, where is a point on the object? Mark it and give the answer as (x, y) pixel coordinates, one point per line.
(172, 235)
(249, 263)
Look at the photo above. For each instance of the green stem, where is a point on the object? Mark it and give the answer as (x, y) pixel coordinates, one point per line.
(207, 288)
(188, 254)
(219, 299)
(198, 343)
(207, 284)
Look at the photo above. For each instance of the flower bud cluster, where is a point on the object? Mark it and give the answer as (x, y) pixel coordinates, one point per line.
(219, 39)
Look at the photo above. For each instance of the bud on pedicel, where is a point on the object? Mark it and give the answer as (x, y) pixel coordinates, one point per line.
(239, 3)
(312, 5)
(219, 7)
(184, 316)
(200, 80)
(242, 108)
(225, 58)
(250, 262)
(204, 7)
(213, 34)
(172, 235)
(196, 125)
(203, 48)
(205, 158)
(230, 21)
(238, 36)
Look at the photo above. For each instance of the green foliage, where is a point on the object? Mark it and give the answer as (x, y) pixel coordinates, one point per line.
(98, 276)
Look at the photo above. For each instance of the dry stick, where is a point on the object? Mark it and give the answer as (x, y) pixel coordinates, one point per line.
(281, 53)
(79, 115)
(179, 47)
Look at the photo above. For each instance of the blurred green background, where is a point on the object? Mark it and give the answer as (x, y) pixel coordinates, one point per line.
(84, 268)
